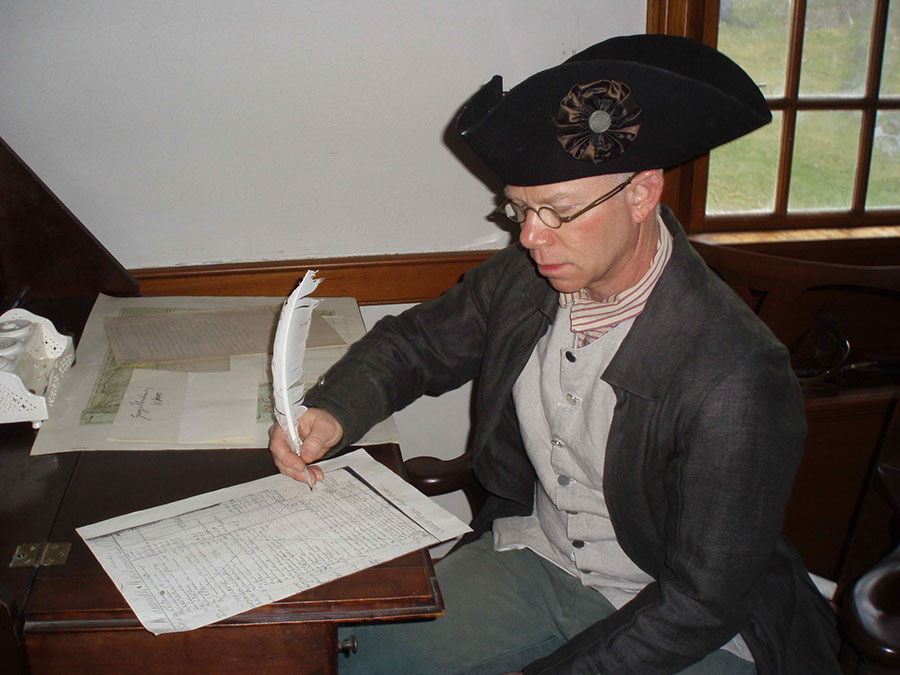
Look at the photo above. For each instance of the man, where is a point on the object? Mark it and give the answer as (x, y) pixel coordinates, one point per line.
(638, 428)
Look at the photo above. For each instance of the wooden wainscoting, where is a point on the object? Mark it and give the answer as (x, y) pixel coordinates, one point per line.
(372, 280)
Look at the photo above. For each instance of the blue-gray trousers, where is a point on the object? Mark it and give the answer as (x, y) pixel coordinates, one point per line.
(503, 610)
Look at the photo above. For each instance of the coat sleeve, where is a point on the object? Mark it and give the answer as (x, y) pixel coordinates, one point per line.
(431, 348)
(726, 485)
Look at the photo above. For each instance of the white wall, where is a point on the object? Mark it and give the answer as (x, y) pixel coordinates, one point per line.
(194, 131)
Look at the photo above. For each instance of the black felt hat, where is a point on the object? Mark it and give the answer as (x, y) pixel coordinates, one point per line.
(626, 104)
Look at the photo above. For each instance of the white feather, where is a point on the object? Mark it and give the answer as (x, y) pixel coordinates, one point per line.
(287, 357)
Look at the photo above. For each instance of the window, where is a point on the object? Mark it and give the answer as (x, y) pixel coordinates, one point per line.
(830, 71)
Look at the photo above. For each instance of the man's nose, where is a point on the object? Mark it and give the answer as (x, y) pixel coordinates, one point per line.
(534, 233)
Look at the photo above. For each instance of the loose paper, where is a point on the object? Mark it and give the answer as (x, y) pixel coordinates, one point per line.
(221, 407)
(151, 407)
(178, 408)
(209, 557)
(207, 334)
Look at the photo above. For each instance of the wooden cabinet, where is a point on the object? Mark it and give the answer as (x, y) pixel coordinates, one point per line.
(836, 518)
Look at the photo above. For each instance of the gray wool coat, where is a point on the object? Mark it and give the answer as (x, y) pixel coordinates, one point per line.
(705, 440)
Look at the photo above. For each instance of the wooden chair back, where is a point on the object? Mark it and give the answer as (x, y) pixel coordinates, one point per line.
(839, 318)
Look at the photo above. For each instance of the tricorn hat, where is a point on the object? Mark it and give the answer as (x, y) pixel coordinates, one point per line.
(625, 104)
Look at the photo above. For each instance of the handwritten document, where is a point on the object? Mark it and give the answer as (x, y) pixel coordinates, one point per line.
(178, 408)
(203, 559)
(151, 407)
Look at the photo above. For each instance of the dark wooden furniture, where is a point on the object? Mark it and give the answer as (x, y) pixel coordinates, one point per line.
(806, 303)
(51, 265)
(74, 620)
(872, 606)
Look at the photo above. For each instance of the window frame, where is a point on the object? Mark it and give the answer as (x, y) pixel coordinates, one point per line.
(687, 184)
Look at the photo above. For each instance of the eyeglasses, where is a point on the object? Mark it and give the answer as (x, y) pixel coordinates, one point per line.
(549, 217)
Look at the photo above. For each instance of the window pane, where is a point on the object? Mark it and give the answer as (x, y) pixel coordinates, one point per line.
(755, 33)
(824, 166)
(742, 173)
(884, 176)
(890, 71)
(836, 47)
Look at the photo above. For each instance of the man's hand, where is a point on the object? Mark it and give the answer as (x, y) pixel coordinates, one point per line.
(320, 432)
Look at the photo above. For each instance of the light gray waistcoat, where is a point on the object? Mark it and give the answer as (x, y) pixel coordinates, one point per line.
(565, 431)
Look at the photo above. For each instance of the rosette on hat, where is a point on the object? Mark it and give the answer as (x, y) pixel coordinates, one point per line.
(598, 121)
(623, 105)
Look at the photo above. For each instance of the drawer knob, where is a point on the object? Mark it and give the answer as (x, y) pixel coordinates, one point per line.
(347, 646)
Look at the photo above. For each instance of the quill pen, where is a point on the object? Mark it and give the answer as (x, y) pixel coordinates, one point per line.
(287, 357)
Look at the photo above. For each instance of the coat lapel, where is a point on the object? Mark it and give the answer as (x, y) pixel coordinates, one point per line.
(662, 335)
(526, 307)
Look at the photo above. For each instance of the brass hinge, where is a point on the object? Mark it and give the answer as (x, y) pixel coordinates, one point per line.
(40, 555)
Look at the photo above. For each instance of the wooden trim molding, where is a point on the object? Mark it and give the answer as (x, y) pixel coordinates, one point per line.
(685, 188)
(372, 280)
(415, 277)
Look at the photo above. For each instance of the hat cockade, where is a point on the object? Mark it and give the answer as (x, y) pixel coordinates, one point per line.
(598, 121)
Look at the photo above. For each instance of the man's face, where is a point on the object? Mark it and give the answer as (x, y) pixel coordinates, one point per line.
(598, 250)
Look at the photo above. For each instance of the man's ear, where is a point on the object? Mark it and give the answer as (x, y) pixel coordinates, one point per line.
(645, 193)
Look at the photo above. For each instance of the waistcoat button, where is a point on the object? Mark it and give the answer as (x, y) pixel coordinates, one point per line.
(570, 356)
(563, 480)
(578, 543)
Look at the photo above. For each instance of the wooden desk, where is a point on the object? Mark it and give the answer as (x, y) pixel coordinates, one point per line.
(73, 620)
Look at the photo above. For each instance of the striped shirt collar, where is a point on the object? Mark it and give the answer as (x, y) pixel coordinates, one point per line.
(591, 319)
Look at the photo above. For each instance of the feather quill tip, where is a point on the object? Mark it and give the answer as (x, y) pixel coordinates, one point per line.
(287, 357)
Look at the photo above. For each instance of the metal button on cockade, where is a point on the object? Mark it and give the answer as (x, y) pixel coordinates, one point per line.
(563, 480)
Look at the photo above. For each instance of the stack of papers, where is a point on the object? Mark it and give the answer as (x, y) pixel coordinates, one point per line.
(209, 557)
(186, 373)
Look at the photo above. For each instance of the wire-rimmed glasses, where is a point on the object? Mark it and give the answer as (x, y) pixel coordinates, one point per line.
(518, 213)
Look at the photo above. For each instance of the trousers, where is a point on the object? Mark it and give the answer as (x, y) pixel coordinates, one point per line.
(504, 609)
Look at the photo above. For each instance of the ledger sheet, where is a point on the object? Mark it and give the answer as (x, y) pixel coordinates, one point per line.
(199, 560)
